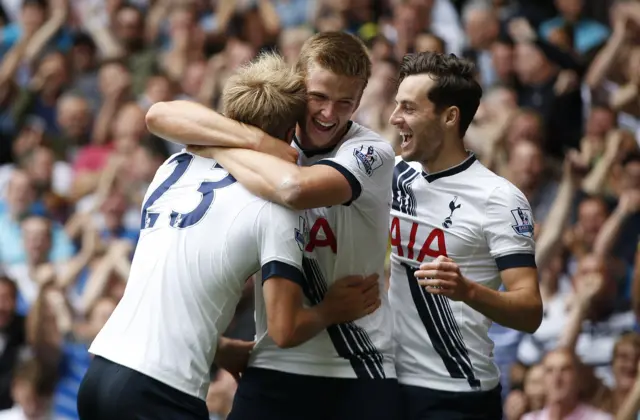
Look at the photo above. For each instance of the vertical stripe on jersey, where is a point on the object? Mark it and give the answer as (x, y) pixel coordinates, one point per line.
(350, 341)
(404, 200)
(444, 333)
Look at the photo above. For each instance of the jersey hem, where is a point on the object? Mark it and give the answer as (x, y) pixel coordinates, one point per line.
(167, 380)
(327, 370)
(446, 384)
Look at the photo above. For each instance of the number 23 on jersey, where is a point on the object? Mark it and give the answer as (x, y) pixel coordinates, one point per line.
(206, 189)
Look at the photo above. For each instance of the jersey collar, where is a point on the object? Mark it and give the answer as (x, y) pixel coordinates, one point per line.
(323, 151)
(461, 167)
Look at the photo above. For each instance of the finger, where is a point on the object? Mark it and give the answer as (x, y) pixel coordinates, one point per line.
(372, 277)
(443, 292)
(437, 284)
(435, 274)
(369, 282)
(439, 265)
(371, 290)
(373, 307)
(372, 294)
(351, 280)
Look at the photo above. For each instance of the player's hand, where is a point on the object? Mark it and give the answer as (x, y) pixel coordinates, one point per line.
(351, 298)
(442, 277)
(278, 148)
(233, 355)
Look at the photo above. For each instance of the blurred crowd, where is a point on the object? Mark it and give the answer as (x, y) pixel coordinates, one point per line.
(560, 118)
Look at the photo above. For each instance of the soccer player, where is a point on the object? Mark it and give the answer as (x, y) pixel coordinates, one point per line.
(347, 372)
(202, 236)
(458, 231)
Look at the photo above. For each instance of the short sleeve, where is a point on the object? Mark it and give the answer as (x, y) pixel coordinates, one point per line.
(280, 243)
(508, 228)
(366, 164)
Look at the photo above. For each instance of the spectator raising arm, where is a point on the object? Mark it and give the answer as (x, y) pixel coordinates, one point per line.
(550, 238)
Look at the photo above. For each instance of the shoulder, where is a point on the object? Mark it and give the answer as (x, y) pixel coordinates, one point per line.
(496, 187)
(360, 136)
(404, 171)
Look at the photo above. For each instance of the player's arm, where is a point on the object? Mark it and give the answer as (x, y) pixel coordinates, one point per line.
(190, 123)
(289, 322)
(329, 182)
(519, 307)
(510, 240)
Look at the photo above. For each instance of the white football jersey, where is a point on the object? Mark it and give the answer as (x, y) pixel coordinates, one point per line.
(484, 224)
(203, 234)
(343, 240)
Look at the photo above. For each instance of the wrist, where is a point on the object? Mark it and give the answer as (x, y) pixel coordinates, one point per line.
(621, 213)
(258, 138)
(323, 314)
(472, 291)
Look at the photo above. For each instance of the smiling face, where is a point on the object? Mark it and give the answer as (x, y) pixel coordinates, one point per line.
(417, 120)
(332, 100)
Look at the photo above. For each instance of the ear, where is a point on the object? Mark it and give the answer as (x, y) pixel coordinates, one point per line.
(290, 133)
(451, 117)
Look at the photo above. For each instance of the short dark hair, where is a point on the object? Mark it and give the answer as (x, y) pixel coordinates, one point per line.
(455, 82)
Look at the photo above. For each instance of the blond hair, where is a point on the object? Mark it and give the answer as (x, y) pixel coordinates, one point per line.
(266, 93)
(339, 52)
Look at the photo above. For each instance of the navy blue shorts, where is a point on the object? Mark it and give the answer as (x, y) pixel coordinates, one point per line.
(110, 391)
(431, 404)
(265, 394)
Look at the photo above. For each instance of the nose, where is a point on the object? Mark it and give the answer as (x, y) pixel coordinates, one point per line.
(328, 111)
(395, 118)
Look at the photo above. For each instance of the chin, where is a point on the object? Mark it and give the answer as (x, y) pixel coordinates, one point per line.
(317, 139)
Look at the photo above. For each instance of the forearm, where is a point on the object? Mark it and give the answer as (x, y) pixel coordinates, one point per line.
(623, 96)
(269, 16)
(102, 127)
(266, 176)
(518, 309)
(190, 123)
(558, 215)
(604, 60)
(609, 233)
(107, 44)
(306, 324)
(631, 405)
(42, 37)
(175, 62)
(572, 329)
(594, 181)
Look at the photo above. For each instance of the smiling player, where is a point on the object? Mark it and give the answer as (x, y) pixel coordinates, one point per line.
(458, 231)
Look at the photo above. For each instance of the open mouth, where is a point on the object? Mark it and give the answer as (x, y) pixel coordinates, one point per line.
(323, 126)
(406, 139)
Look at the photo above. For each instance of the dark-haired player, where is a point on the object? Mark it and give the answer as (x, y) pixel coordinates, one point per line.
(458, 231)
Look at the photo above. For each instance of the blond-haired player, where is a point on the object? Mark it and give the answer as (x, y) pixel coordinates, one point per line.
(344, 185)
(202, 235)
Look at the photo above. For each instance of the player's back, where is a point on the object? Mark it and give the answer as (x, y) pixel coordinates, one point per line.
(198, 245)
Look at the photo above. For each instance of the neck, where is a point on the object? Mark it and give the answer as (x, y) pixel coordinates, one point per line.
(562, 409)
(447, 158)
